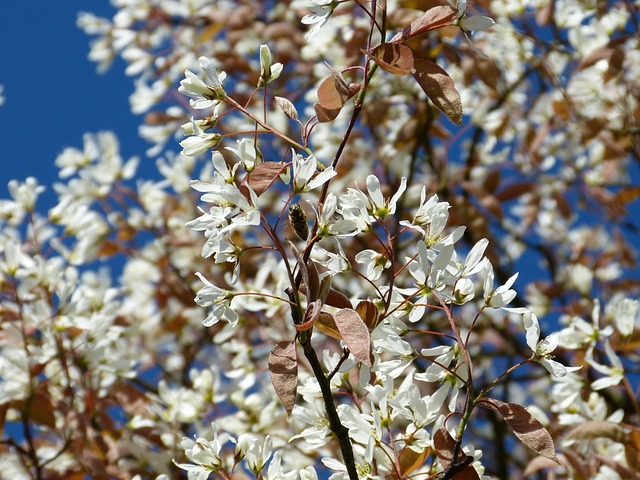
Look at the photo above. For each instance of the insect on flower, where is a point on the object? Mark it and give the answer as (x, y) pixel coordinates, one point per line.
(298, 221)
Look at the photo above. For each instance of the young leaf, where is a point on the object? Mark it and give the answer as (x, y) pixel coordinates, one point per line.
(444, 444)
(327, 325)
(283, 369)
(436, 17)
(333, 93)
(287, 107)
(368, 313)
(439, 87)
(39, 409)
(326, 114)
(314, 282)
(528, 430)
(409, 459)
(337, 299)
(355, 334)
(461, 468)
(263, 175)
(394, 58)
(304, 272)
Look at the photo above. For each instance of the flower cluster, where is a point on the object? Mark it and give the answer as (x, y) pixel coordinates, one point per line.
(334, 291)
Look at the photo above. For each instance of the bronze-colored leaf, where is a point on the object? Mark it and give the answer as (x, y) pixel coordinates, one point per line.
(263, 176)
(41, 409)
(436, 17)
(488, 201)
(133, 401)
(3, 415)
(314, 281)
(540, 463)
(394, 58)
(337, 299)
(513, 191)
(326, 114)
(369, 313)
(409, 459)
(439, 87)
(627, 194)
(333, 93)
(355, 334)
(525, 427)
(461, 469)
(327, 325)
(599, 429)
(444, 444)
(283, 369)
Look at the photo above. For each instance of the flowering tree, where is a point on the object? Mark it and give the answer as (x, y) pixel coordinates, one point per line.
(359, 184)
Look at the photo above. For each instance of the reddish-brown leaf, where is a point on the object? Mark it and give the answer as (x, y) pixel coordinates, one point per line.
(600, 429)
(334, 298)
(262, 176)
(514, 190)
(310, 316)
(369, 313)
(444, 444)
(595, 56)
(489, 202)
(436, 17)
(337, 299)
(326, 114)
(540, 463)
(394, 58)
(528, 430)
(333, 93)
(355, 334)
(283, 369)
(287, 107)
(632, 449)
(3, 415)
(628, 194)
(133, 401)
(314, 281)
(108, 249)
(439, 87)
(41, 409)
(304, 272)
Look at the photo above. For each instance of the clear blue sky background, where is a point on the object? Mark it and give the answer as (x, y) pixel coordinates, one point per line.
(53, 92)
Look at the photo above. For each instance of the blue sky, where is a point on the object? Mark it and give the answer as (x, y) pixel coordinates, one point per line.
(53, 92)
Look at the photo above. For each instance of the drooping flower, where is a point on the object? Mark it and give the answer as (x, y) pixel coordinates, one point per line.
(543, 349)
(322, 10)
(219, 300)
(199, 142)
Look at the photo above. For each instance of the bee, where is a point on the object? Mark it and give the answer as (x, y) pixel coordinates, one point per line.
(298, 221)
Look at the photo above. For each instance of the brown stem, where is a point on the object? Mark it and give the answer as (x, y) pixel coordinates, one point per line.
(340, 431)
